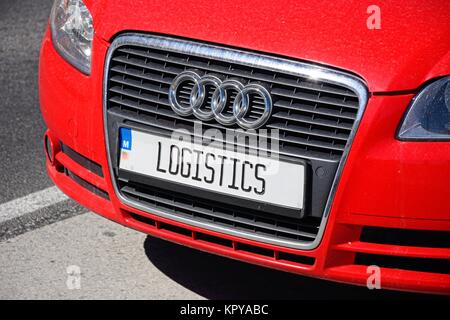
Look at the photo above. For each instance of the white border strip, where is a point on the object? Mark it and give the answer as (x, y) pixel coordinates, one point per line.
(29, 203)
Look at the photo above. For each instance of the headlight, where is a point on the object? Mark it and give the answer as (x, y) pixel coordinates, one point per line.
(72, 32)
(428, 116)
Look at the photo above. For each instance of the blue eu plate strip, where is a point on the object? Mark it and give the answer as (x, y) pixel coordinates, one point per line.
(125, 139)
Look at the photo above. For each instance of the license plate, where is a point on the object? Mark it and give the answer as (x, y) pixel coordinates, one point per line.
(251, 177)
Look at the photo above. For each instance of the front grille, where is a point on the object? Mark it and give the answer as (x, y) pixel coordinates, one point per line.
(316, 111)
(314, 119)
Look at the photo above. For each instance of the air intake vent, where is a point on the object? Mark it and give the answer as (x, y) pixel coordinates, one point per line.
(406, 237)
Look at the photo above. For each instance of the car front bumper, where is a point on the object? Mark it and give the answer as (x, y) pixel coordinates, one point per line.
(386, 183)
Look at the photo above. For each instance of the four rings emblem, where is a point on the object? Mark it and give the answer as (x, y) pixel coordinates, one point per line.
(229, 101)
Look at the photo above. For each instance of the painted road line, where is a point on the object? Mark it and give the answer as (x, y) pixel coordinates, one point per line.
(29, 203)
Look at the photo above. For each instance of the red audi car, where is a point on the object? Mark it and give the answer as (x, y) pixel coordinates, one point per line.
(312, 137)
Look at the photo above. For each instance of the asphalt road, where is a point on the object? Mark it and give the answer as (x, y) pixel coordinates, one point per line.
(52, 248)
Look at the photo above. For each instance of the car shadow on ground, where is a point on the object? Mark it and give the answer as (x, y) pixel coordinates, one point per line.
(216, 277)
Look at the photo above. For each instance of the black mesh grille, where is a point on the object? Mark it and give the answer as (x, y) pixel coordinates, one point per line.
(314, 118)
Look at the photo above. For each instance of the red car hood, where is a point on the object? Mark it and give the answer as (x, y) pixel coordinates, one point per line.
(411, 47)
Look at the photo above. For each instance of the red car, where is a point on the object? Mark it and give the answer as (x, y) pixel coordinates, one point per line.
(312, 138)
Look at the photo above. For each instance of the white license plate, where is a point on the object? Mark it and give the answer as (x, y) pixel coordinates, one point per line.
(251, 177)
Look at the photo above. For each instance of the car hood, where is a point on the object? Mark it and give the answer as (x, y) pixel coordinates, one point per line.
(411, 46)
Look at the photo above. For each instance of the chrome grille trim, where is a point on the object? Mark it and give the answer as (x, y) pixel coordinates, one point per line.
(250, 59)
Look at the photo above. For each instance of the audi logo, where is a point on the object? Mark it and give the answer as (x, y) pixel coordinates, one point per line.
(228, 101)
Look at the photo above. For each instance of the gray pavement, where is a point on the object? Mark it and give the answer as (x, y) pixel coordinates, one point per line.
(119, 263)
(111, 260)
(22, 25)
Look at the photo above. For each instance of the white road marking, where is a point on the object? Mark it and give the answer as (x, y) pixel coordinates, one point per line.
(29, 203)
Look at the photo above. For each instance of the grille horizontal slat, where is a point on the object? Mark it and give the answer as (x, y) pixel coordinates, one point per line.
(314, 110)
(308, 97)
(259, 77)
(138, 84)
(140, 74)
(168, 113)
(140, 96)
(288, 127)
(147, 65)
(305, 119)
